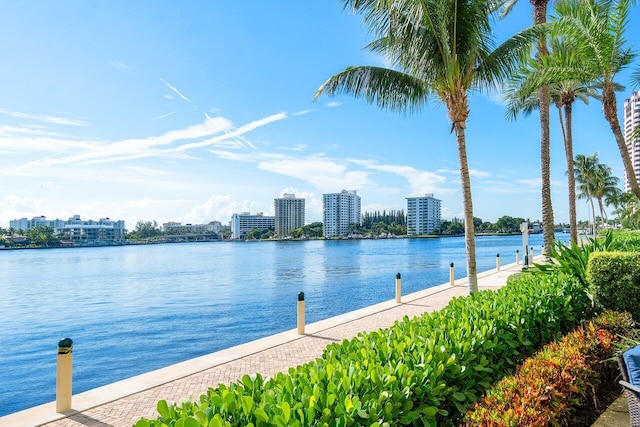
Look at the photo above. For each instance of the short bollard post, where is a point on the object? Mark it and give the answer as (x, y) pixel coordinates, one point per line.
(63, 375)
(301, 313)
(451, 274)
(498, 262)
(517, 257)
(398, 288)
(531, 252)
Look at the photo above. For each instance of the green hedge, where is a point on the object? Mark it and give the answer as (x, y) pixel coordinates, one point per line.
(615, 277)
(626, 241)
(553, 384)
(423, 371)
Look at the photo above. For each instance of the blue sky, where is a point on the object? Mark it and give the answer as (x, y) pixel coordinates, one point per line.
(191, 111)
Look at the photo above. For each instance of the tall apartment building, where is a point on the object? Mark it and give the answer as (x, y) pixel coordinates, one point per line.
(631, 123)
(289, 214)
(339, 211)
(244, 223)
(423, 215)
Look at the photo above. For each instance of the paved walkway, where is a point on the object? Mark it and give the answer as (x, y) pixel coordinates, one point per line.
(124, 402)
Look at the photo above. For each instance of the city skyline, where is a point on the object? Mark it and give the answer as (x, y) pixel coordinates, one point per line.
(192, 112)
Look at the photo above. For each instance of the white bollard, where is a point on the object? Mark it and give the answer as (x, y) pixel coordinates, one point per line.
(64, 375)
(301, 313)
(451, 274)
(398, 288)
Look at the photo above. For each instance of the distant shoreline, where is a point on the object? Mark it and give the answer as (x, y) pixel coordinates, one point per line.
(136, 243)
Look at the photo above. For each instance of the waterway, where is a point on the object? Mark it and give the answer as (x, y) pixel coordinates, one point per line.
(133, 309)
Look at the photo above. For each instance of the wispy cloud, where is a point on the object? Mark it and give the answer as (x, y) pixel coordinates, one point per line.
(333, 104)
(479, 174)
(164, 115)
(236, 132)
(421, 182)
(176, 91)
(45, 118)
(118, 65)
(302, 112)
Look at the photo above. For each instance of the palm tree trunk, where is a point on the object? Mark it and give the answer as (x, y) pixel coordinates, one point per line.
(469, 237)
(610, 108)
(593, 213)
(540, 16)
(603, 213)
(571, 179)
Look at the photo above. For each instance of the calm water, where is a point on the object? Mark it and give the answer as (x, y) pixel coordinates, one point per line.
(132, 309)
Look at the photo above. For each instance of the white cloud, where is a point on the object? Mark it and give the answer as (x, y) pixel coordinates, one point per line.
(421, 182)
(479, 174)
(176, 91)
(334, 104)
(118, 65)
(325, 174)
(45, 118)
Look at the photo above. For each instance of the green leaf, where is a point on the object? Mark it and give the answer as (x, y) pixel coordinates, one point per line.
(163, 409)
(261, 415)
(247, 405)
(286, 411)
(459, 396)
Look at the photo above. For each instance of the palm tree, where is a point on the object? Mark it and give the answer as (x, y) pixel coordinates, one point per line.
(597, 27)
(604, 188)
(540, 17)
(522, 95)
(442, 48)
(584, 169)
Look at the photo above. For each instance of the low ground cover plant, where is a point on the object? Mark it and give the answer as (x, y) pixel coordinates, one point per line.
(551, 385)
(421, 371)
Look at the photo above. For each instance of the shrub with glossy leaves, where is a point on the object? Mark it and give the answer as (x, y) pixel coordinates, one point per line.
(421, 371)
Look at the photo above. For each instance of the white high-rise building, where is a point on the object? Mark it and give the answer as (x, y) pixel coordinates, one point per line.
(631, 122)
(423, 215)
(289, 213)
(339, 211)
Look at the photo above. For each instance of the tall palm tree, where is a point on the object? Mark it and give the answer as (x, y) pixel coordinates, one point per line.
(584, 169)
(540, 17)
(522, 95)
(597, 27)
(441, 49)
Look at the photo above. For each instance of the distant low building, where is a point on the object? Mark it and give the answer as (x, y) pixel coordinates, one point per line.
(214, 227)
(81, 233)
(244, 223)
(423, 215)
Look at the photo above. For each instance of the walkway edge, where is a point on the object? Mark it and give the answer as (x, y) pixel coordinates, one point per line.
(84, 401)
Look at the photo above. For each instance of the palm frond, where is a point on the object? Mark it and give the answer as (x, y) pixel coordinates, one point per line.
(388, 89)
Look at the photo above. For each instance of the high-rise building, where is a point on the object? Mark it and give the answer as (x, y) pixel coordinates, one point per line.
(289, 213)
(423, 215)
(339, 211)
(244, 222)
(631, 123)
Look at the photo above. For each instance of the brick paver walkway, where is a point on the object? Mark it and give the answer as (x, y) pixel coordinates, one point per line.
(267, 358)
